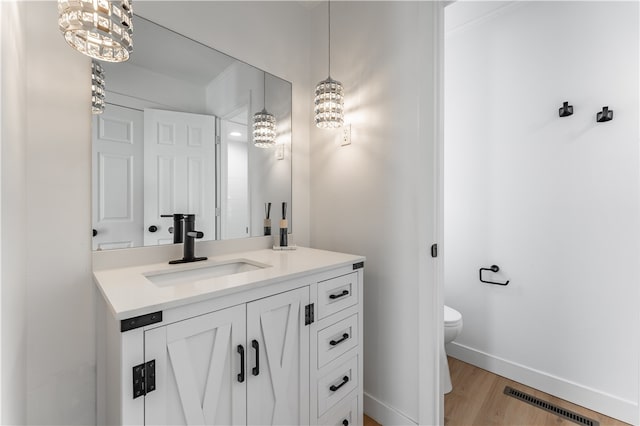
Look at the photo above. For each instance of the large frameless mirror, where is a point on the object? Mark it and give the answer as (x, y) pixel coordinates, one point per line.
(176, 137)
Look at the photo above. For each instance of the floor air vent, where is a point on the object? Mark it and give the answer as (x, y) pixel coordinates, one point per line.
(537, 402)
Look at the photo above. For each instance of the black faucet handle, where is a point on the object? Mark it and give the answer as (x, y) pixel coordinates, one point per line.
(175, 216)
(195, 234)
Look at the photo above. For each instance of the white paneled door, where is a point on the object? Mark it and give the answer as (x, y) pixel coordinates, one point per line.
(278, 378)
(117, 178)
(179, 172)
(198, 366)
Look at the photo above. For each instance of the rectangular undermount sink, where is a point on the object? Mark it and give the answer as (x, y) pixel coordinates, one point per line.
(203, 272)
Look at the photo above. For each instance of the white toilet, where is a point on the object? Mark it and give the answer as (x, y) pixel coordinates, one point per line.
(452, 328)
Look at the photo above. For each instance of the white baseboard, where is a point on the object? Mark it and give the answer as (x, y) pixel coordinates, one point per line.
(607, 404)
(383, 414)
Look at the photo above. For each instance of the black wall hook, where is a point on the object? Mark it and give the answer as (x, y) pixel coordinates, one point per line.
(566, 110)
(493, 268)
(605, 115)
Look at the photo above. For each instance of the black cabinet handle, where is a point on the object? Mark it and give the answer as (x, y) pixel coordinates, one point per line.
(337, 296)
(345, 422)
(345, 336)
(255, 345)
(241, 352)
(153, 228)
(94, 233)
(334, 388)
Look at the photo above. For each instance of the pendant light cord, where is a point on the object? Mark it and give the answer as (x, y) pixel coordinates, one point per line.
(329, 32)
(264, 90)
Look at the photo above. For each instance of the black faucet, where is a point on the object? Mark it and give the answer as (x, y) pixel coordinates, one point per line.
(184, 227)
(178, 228)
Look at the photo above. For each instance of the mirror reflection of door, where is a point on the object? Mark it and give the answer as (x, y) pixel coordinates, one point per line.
(235, 214)
(117, 178)
(179, 172)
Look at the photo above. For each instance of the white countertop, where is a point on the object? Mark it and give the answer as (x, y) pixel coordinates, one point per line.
(129, 293)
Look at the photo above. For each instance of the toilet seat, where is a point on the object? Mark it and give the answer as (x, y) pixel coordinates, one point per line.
(452, 318)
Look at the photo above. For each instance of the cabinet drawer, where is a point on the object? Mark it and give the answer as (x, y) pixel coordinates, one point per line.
(336, 339)
(337, 294)
(344, 414)
(337, 383)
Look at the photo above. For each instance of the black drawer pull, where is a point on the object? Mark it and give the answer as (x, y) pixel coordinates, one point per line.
(337, 296)
(255, 345)
(345, 336)
(241, 352)
(334, 388)
(345, 422)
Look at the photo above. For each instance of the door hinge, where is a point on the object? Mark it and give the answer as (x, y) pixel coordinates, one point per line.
(308, 314)
(144, 378)
(434, 250)
(218, 140)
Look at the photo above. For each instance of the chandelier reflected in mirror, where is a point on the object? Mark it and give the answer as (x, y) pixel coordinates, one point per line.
(97, 88)
(264, 123)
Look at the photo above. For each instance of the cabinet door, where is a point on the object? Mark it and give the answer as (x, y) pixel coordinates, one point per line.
(278, 379)
(198, 365)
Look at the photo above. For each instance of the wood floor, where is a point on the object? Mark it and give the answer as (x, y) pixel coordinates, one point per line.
(368, 421)
(478, 399)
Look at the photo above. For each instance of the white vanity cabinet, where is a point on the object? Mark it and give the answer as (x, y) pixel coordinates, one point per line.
(209, 366)
(195, 370)
(286, 352)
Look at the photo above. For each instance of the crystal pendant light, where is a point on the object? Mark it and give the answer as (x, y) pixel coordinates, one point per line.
(97, 88)
(100, 29)
(329, 99)
(264, 123)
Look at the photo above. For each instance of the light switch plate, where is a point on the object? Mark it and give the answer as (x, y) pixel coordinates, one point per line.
(345, 137)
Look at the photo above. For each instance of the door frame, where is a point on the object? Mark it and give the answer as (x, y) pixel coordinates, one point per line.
(431, 208)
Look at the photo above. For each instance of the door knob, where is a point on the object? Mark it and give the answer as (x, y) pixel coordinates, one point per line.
(153, 228)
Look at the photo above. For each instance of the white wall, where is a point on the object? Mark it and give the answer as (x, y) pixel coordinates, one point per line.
(555, 202)
(60, 295)
(368, 197)
(13, 106)
(55, 226)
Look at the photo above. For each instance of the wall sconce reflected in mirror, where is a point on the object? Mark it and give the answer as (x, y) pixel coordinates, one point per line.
(100, 29)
